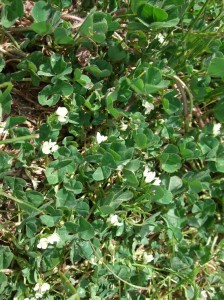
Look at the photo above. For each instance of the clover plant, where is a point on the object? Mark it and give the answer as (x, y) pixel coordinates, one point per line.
(111, 149)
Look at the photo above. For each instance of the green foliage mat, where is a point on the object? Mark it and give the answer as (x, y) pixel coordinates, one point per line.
(111, 149)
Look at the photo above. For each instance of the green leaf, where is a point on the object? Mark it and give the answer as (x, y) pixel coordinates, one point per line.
(195, 186)
(101, 173)
(165, 24)
(41, 11)
(2, 63)
(6, 257)
(47, 96)
(5, 162)
(42, 28)
(51, 259)
(74, 186)
(65, 198)
(110, 99)
(35, 198)
(86, 28)
(31, 228)
(171, 104)
(85, 230)
(175, 183)
(116, 53)
(50, 221)
(120, 197)
(135, 5)
(63, 37)
(149, 13)
(63, 87)
(95, 26)
(140, 140)
(5, 100)
(220, 164)
(148, 80)
(108, 161)
(86, 249)
(57, 170)
(98, 174)
(106, 210)
(13, 121)
(130, 177)
(161, 196)
(170, 162)
(99, 68)
(219, 110)
(11, 12)
(133, 165)
(216, 67)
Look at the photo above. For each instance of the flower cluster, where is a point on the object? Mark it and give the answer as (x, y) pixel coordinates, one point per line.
(151, 177)
(100, 138)
(51, 239)
(49, 147)
(216, 129)
(113, 220)
(62, 114)
(40, 289)
(148, 107)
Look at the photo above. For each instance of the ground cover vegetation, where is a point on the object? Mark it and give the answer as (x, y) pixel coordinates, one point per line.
(111, 153)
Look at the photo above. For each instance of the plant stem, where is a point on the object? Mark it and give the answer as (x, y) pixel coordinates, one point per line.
(20, 138)
(68, 284)
(182, 86)
(115, 275)
(19, 201)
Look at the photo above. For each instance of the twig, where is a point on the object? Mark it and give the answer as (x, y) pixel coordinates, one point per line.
(6, 52)
(182, 87)
(18, 92)
(72, 17)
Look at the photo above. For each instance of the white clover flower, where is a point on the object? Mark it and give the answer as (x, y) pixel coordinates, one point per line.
(151, 177)
(216, 129)
(203, 296)
(148, 107)
(41, 289)
(123, 126)
(37, 287)
(147, 258)
(49, 147)
(2, 129)
(113, 220)
(160, 38)
(62, 113)
(95, 261)
(120, 168)
(53, 238)
(157, 181)
(100, 138)
(44, 287)
(43, 243)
